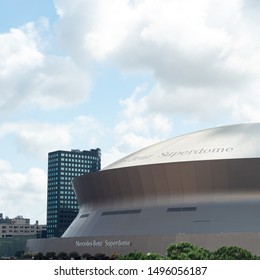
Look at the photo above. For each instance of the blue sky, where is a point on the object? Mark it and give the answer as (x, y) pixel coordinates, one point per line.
(118, 75)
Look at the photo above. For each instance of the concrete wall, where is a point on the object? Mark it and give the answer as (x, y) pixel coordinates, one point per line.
(111, 244)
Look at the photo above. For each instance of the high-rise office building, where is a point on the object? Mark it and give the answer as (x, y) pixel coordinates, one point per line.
(63, 166)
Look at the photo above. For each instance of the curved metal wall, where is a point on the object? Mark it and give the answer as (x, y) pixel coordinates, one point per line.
(165, 183)
(212, 185)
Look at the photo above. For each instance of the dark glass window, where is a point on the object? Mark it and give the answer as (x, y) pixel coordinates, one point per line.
(181, 209)
(121, 212)
(84, 215)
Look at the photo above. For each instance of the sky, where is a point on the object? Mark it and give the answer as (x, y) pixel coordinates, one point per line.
(119, 75)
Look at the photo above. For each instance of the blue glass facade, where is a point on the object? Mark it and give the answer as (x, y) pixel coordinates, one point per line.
(63, 166)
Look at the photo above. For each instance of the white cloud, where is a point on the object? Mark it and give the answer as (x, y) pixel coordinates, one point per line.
(137, 128)
(199, 53)
(36, 139)
(111, 155)
(18, 52)
(99, 27)
(23, 193)
(136, 116)
(29, 76)
(59, 83)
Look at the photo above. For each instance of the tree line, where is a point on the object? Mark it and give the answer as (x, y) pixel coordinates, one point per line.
(175, 251)
(188, 251)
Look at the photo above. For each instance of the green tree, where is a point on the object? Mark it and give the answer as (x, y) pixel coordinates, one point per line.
(86, 256)
(154, 256)
(19, 254)
(141, 256)
(74, 256)
(187, 251)
(38, 256)
(62, 256)
(27, 256)
(100, 256)
(133, 256)
(50, 256)
(115, 256)
(232, 253)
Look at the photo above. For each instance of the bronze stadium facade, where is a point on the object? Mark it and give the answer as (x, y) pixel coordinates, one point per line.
(202, 188)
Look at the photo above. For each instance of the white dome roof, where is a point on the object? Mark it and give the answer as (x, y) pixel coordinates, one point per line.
(226, 142)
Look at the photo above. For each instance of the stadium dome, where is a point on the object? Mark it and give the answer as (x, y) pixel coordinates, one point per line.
(226, 142)
(202, 187)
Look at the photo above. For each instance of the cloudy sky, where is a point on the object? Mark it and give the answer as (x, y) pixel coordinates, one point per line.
(119, 75)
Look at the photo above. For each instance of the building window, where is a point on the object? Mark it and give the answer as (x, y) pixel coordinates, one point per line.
(181, 209)
(121, 212)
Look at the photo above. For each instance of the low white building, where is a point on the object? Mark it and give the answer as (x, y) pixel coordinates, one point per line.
(19, 226)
